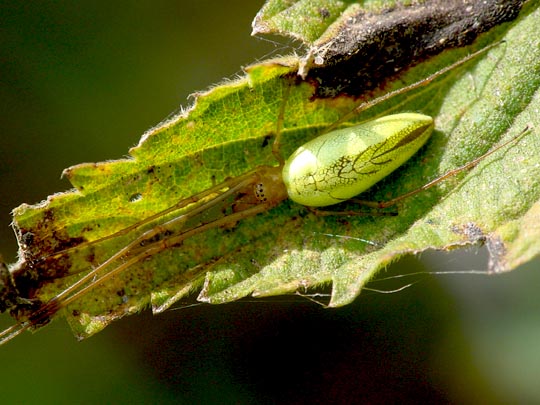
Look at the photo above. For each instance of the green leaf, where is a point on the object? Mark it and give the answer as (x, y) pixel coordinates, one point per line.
(303, 20)
(229, 131)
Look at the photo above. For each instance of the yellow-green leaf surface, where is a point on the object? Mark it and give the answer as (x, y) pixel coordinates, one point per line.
(229, 131)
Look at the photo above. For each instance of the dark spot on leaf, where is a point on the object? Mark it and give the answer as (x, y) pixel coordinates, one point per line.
(90, 258)
(48, 215)
(342, 221)
(156, 238)
(27, 239)
(324, 13)
(87, 228)
(150, 170)
(472, 231)
(266, 141)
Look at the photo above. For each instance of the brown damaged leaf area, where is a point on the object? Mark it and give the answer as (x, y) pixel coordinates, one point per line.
(369, 43)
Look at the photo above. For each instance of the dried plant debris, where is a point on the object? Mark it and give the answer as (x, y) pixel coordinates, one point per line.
(370, 43)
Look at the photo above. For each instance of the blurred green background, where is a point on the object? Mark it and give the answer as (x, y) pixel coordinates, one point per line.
(81, 81)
